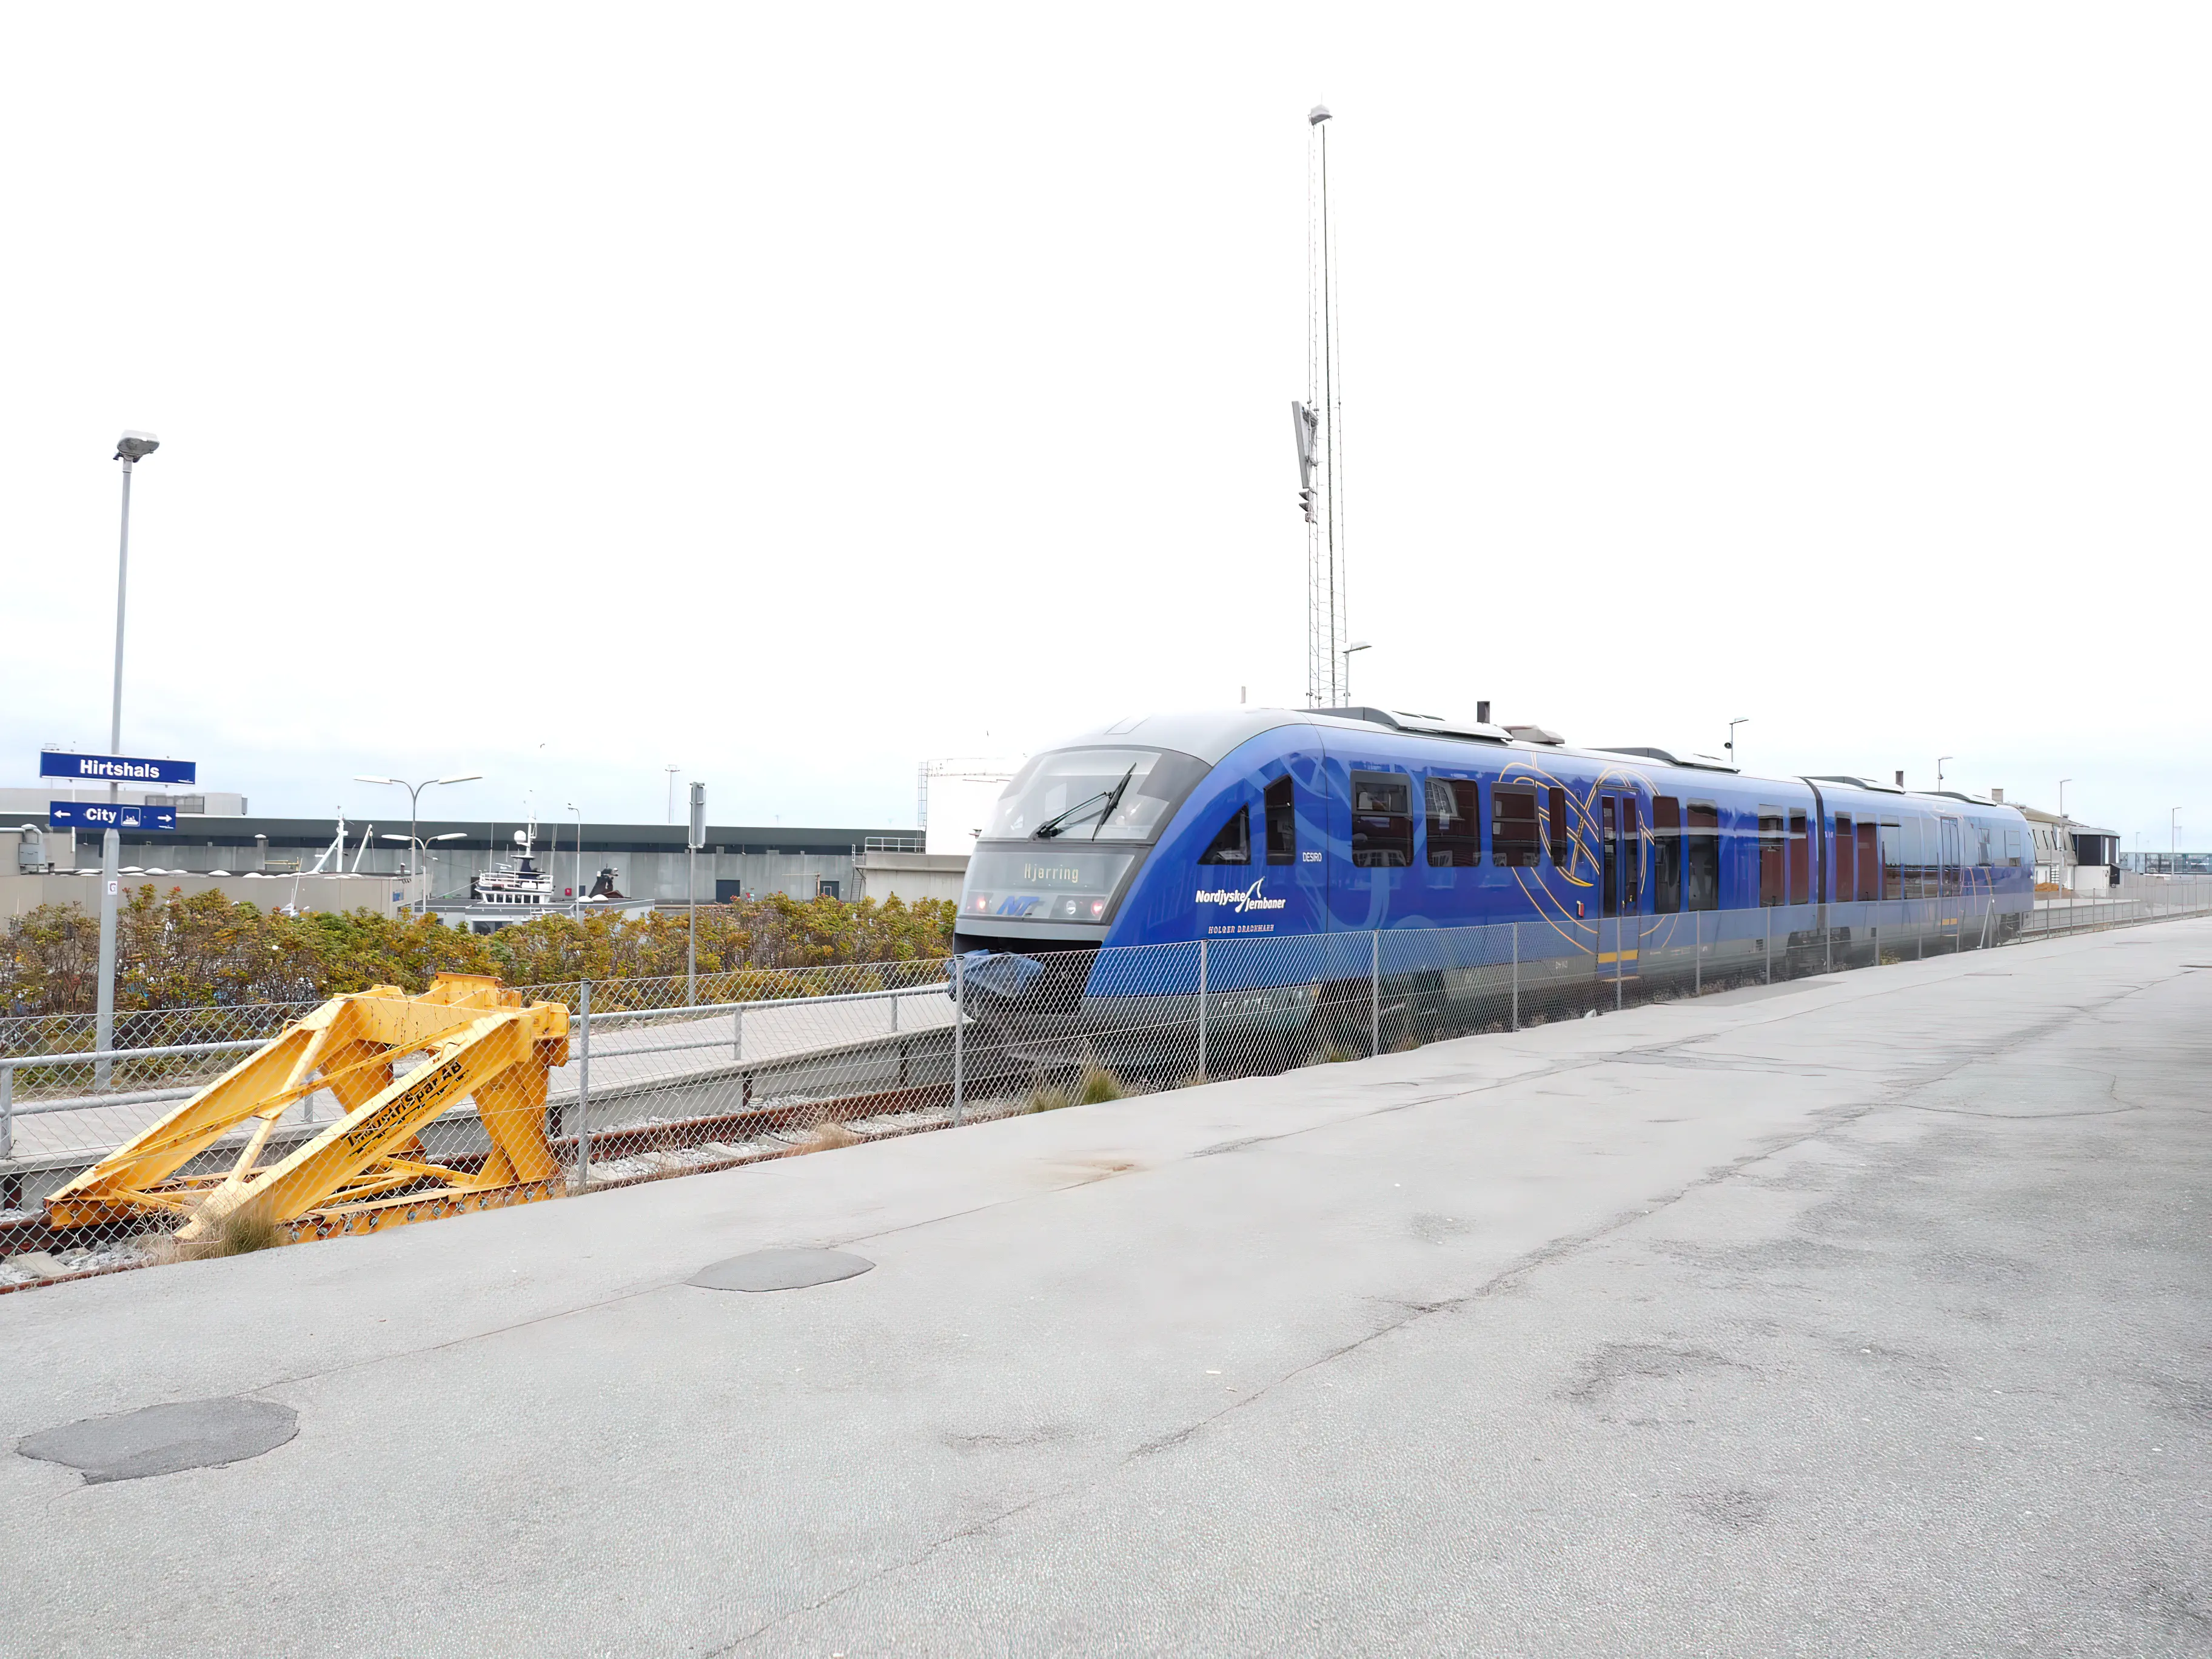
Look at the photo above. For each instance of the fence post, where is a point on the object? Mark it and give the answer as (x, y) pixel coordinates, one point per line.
(1697, 953)
(7, 1115)
(1769, 913)
(583, 1085)
(1374, 992)
(959, 1038)
(1202, 1010)
(1516, 926)
(1620, 956)
(737, 1033)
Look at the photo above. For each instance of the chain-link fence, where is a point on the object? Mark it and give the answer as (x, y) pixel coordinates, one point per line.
(643, 1079)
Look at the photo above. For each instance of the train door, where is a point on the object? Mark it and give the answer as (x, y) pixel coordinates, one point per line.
(1373, 814)
(1620, 857)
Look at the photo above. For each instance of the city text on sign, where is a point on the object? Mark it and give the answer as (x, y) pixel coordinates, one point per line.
(99, 815)
(115, 768)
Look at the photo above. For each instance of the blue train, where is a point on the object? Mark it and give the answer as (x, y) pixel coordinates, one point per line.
(1287, 838)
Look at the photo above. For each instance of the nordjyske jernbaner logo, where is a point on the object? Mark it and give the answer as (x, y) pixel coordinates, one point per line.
(1248, 898)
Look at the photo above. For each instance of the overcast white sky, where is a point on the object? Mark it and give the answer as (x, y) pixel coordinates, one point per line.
(792, 393)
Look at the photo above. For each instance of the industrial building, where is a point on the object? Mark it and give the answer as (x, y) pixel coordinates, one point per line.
(649, 861)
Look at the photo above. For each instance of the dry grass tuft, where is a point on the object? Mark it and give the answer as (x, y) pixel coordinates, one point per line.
(1046, 1097)
(829, 1136)
(240, 1233)
(1099, 1084)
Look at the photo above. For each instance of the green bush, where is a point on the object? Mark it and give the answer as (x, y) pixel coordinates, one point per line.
(208, 950)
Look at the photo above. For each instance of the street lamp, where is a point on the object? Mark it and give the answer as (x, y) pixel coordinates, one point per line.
(578, 895)
(422, 888)
(130, 448)
(414, 790)
(674, 772)
(1940, 759)
(1741, 720)
(2174, 844)
(1345, 653)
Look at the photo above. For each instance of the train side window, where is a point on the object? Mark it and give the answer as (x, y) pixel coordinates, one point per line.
(1843, 882)
(1950, 858)
(1381, 820)
(1771, 856)
(1559, 836)
(2012, 848)
(1800, 860)
(1515, 842)
(1455, 822)
(1701, 857)
(1892, 861)
(1233, 844)
(1632, 854)
(1919, 856)
(1666, 855)
(1282, 823)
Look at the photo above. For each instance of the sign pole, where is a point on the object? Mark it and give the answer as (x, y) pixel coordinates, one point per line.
(109, 847)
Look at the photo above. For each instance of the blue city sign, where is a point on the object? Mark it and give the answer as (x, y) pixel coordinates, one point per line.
(99, 815)
(115, 768)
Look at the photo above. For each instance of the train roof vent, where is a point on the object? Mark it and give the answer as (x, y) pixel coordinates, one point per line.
(1432, 726)
(1535, 734)
(1668, 756)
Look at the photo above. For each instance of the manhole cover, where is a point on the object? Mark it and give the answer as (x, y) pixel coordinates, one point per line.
(781, 1270)
(196, 1434)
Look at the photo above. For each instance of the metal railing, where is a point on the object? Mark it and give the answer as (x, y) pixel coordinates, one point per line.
(768, 1063)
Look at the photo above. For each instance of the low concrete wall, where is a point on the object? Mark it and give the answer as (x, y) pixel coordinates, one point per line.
(19, 894)
(910, 876)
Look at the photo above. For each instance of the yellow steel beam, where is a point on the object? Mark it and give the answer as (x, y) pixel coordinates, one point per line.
(481, 1040)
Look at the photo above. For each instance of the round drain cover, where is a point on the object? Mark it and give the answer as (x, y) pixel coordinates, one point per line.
(195, 1434)
(781, 1270)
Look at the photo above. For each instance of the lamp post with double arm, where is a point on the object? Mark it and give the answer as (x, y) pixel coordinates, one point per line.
(414, 793)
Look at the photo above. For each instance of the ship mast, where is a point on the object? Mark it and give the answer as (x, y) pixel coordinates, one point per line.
(1318, 426)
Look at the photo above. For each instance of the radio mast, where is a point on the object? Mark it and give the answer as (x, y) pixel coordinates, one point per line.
(1318, 424)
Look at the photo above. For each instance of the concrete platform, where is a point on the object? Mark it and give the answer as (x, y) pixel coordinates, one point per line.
(1870, 1316)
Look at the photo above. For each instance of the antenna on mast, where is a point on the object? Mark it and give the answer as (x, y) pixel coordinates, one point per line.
(1317, 424)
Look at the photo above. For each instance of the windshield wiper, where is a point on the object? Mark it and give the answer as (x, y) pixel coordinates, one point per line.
(1112, 798)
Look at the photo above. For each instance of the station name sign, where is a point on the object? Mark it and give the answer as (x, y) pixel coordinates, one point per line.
(115, 768)
(99, 815)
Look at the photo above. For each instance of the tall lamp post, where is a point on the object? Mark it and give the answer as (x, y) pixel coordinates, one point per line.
(422, 888)
(578, 895)
(130, 448)
(1345, 653)
(1940, 759)
(1741, 720)
(2174, 844)
(414, 793)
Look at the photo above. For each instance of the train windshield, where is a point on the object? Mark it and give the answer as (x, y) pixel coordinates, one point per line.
(1076, 796)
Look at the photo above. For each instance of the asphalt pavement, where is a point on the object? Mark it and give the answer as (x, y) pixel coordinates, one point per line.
(1867, 1315)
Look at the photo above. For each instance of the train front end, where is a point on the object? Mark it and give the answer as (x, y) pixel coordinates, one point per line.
(1065, 848)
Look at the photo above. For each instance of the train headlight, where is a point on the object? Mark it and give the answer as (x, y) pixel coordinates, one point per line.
(978, 904)
(1097, 909)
